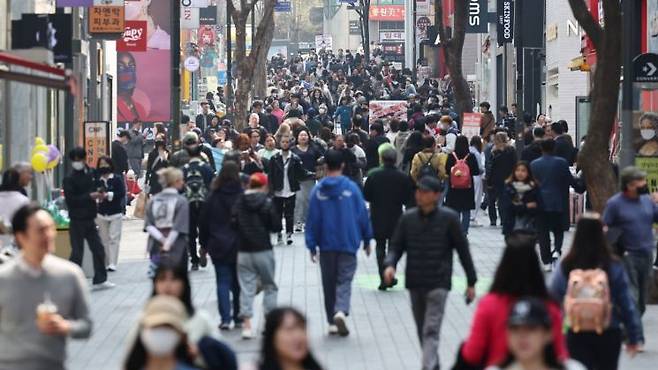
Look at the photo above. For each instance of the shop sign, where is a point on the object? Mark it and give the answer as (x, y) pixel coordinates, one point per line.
(391, 36)
(505, 21)
(189, 16)
(477, 17)
(96, 141)
(208, 16)
(386, 13)
(134, 37)
(106, 19)
(471, 125)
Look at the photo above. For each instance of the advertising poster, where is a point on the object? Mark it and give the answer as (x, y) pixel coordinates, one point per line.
(143, 74)
(650, 166)
(97, 141)
(387, 109)
(134, 37)
(471, 125)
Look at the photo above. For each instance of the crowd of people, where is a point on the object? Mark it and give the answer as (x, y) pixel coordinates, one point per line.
(311, 160)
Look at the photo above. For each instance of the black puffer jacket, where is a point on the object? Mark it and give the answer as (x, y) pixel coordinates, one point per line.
(429, 241)
(296, 172)
(254, 219)
(500, 167)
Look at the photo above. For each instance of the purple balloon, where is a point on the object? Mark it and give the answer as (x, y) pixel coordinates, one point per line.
(53, 153)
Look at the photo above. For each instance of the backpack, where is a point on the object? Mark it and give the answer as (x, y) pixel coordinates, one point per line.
(587, 303)
(460, 174)
(427, 169)
(195, 186)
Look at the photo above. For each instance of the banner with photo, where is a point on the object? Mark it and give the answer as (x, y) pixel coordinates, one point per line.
(144, 77)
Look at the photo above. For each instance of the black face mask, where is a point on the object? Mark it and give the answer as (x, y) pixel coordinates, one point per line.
(104, 170)
(643, 190)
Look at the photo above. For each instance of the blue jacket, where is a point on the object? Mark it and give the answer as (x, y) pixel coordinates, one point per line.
(623, 304)
(337, 217)
(345, 113)
(554, 178)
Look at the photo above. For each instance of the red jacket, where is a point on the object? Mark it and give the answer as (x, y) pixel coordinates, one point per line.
(132, 187)
(487, 341)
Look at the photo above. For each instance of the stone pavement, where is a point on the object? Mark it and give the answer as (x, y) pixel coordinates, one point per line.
(383, 333)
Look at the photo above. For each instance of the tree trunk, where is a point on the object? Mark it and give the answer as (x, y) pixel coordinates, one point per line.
(366, 31)
(594, 156)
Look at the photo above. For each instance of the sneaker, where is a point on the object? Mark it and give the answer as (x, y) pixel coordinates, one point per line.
(492, 223)
(247, 333)
(382, 287)
(102, 286)
(548, 267)
(112, 268)
(195, 267)
(556, 255)
(298, 227)
(203, 258)
(279, 238)
(225, 326)
(339, 321)
(393, 283)
(289, 239)
(333, 330)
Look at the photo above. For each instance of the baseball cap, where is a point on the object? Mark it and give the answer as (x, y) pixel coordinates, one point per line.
(529, 312)
(429, 183)
(258, 180)
(164, 310)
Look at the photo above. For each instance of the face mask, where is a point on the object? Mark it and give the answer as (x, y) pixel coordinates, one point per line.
(648, 134)
(160, 341)
(323, 111)
(78, 165)
(127, 78)
(643, 190)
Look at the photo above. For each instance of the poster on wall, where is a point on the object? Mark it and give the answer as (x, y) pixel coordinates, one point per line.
(96, 140)
(650, 166)
(652, 27)
(141, 74)
(471, 125)
(387, 109)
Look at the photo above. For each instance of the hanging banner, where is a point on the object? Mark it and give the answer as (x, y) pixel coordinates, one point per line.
(106, 19)
(73, 3)
(134, 37)
(208, 16)
(505, 22)
(96, 137)
(477, 17)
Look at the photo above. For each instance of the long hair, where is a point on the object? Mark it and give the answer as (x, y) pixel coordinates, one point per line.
(476, 142)
(230, 173)
(11, 180)
(461, 147)
(269, 359)
(589, 249)
(179, 274)
(512, 177)
(519, 260)
(136, 359)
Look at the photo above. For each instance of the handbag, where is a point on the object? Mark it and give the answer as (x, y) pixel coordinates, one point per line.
(140, 206)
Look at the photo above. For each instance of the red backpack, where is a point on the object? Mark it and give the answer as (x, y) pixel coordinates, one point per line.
(460, 174)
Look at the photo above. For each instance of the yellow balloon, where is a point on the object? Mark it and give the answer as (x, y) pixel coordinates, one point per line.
(39, 162)
(52, 164)
(39, 141)
(40, 149)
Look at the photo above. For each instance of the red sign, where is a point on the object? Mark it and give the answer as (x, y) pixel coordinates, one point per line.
(134, 37)
(386, 12)
(393, 48)
(471, 124)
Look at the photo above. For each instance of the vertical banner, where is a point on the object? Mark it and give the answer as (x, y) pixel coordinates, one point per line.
(505, 22)
(97, 141)
(471, 124)
(189, 16)
(477, 17)
(144, 63)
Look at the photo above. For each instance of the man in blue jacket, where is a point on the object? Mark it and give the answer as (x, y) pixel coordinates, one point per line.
(337, 224)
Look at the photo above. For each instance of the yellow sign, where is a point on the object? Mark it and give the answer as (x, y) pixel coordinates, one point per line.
(97, 141)
(106, 19)
(650, 166)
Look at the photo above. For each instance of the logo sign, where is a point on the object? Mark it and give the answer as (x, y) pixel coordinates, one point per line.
(208, 16)
(282, 6)
(355, 28)
(505, 21)
(189, 16)
(134, 37)
(645, 68)
(393, 48)
(422, 25)
(192, 63)
(477, 17)
(386, 12)
(391, 35)
(106, 19)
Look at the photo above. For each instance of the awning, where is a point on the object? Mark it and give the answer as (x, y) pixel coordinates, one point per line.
(39, 74)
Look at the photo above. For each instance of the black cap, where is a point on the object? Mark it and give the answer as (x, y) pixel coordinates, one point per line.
(529, 312)
(430, 183)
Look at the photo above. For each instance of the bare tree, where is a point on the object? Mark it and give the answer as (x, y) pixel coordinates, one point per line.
(453, 47)
(362, 8)
(248, 65)
(594, 156)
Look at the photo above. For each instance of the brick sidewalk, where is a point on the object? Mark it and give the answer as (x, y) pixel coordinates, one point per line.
(383, 333)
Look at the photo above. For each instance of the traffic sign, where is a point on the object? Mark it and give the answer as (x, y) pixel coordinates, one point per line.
(645, 68)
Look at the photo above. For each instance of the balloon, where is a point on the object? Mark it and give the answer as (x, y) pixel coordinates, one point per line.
(53, 153)
(39, 141)
(52, 164)
(40, 149)
(39, 162)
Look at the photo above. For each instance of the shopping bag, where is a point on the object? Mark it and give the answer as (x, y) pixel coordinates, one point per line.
(140, 205)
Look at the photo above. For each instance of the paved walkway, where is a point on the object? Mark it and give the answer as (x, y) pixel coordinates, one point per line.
(383, 333)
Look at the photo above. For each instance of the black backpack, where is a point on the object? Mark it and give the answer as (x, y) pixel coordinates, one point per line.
(428, 170)
(195, 186)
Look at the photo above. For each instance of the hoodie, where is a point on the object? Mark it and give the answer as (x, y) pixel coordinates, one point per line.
(216, 234)
(254, 218)
(337, 217)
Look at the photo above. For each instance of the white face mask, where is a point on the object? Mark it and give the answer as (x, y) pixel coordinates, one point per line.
(322, 111)
(160, 341)
(648, 134)
(78, 165)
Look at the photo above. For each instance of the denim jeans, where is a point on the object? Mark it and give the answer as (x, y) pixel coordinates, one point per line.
(337, 270)
(465, 217)
(638, 266)
(227, 285)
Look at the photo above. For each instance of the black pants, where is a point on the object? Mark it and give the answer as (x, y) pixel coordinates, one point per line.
(381, 255)
(547, 223)
(596, 352)
(195, 212)
(285, 207)
(493, 197)
(79, 231)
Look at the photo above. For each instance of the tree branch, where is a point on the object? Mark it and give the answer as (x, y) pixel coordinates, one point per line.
(586, 21)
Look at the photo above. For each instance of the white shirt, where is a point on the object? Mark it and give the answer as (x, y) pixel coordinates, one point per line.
(285, 192)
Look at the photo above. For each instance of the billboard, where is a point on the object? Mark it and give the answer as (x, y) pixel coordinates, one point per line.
(144, 76)
(386, 12)
(386, 109)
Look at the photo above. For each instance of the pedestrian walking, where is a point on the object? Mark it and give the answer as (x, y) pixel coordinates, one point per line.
(498, 169)
(375, 139)
(26, 174)
(461, 167)
(554, 179)
(119, 153)
(520, 200)
(590, 254)
(82, 196)
(533, 151)
(198, 176)
(338, 199)
(286, 172)
(110, 210)
(429, 234)
(135, 148)
(254, 218)
(487, 121)
(157, 159)
(167, 221)
(632, 212)
(220, 239)
(530, 339)
(486, 343)
(309, 154)
(12, 199)
(428, 162)
(386, 205)
(476, 150)
(44, 299)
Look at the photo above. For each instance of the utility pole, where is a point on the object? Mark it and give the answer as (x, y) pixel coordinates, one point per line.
(175, 71)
